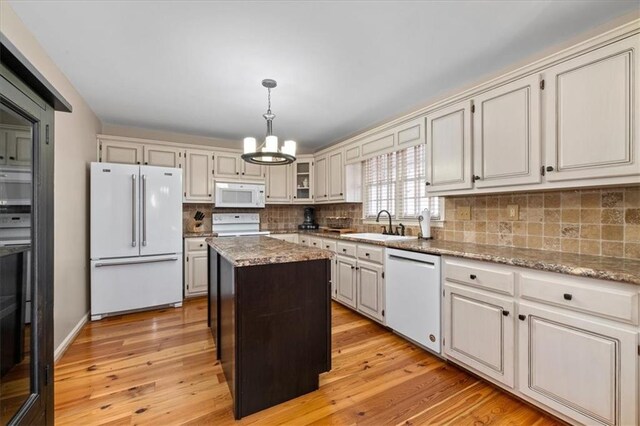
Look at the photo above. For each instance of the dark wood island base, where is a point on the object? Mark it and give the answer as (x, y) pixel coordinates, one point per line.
(271, 321)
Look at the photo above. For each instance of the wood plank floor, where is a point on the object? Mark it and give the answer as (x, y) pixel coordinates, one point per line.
(159, 368)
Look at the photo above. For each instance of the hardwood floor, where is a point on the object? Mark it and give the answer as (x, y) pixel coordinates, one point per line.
(159, 368)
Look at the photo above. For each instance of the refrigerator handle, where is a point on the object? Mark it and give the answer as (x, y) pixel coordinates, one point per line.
(133, 211)
(144, 210)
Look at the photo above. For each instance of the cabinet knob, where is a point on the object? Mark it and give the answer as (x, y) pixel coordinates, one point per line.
(367, 254)
(357, 267)
(472, 276)
(209, 195)
(1, 157)
(522, 317)
(237, 173)
(568, 296)
(201, 245)
(549, 168)
(146, 163)
(267, 196)
(344, 250)
(353, 267)
(137, 162)
(13, 158)
(243, 173)
(341, 193)
(505, 313)
(327, 246)
(295, 196)
(475, 178)
(427, 183)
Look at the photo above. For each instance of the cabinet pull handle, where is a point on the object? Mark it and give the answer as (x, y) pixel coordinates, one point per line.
(472, 276)
(13, 158)
(549, 168)
(427, 183)
(475, 178)
(505, 313)
(568, 296)
(522, 317)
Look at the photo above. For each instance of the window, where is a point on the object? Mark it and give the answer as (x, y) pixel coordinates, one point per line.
(396, 182)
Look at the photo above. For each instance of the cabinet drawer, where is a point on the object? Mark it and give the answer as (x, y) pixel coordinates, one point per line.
(329, 244)
(346, 249)
(480, 274)
(195, 244)
(611, 300)
(304, 239)
(370, 253)
(315, 242)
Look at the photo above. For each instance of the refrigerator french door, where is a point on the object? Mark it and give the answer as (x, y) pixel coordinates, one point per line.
(136, 237)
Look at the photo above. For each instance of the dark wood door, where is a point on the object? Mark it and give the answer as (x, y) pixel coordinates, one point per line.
(28, 369)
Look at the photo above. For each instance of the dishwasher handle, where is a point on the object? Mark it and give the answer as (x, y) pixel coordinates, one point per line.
(408, 259)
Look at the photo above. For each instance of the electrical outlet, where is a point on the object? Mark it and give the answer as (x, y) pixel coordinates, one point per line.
(513, 211)
(463, 213)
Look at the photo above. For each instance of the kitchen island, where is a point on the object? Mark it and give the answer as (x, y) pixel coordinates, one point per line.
(270, 316)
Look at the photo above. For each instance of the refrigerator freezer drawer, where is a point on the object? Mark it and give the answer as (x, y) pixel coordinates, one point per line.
(135, 283)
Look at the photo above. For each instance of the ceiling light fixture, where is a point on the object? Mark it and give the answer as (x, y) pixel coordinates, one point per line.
(269, 154)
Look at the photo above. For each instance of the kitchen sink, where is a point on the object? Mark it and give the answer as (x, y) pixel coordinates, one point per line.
(378, 237)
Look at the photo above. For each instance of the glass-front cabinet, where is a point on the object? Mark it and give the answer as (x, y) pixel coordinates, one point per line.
(303, 180)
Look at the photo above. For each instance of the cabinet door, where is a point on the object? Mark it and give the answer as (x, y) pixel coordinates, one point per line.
(479, 331)
(303, 181)
(3, 146)
(120, 152)
(506, 134)
(163, 156)
(334, 277)
(251, 171)
(448, 151)
(346, 281)
(370, 289)
(227, 165)
(198, 176)
(321, 193)
(581, 368)
(196, 274)
(336, 176)
(18, 148)
(278, 184)
(592, 109)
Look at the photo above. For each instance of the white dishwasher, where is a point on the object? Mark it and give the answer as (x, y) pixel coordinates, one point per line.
(413, 293)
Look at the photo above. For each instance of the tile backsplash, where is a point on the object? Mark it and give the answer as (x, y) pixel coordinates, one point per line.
(603, 221)
(588, 221)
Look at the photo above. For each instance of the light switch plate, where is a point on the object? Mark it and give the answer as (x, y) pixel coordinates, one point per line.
(463, 213)
(513, 211)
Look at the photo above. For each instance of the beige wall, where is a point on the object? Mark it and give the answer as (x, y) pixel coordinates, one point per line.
(74, 148)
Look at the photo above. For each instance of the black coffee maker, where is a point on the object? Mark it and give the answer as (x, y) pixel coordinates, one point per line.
(309, 219)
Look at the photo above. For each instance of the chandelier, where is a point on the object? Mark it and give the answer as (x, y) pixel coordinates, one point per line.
(269, 153)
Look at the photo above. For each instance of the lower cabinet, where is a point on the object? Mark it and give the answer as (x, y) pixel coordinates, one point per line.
(292, 238)
(370, 289)
(346, 281)
(479, 331)
(195, 267)
(581, 368)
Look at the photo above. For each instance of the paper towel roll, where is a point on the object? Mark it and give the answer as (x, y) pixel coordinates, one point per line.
(425, 224)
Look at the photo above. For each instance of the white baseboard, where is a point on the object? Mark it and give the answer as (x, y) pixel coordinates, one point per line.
(62, 347)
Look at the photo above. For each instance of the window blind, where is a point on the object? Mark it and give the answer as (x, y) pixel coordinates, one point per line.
(396, 182)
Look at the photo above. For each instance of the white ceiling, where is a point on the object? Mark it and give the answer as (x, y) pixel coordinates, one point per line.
(195, 66)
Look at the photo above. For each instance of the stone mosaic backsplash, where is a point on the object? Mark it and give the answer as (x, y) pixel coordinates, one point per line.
(603, 221)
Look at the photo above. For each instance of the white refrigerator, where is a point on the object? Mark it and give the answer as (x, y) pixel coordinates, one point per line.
(136, 237)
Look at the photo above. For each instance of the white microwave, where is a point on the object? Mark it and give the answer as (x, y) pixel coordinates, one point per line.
(236, 194)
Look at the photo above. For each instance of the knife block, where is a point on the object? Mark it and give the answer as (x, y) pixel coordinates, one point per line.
(194, 226)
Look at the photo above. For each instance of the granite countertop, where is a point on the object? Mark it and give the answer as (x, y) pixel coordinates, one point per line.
(262, 250)
(9, 250)
(199, 234)
(582, 265)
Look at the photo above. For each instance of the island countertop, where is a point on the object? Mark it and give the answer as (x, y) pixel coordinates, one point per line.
(262, 250)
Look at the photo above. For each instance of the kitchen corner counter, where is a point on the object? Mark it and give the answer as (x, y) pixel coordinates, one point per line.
(604, 268)
(262, 250)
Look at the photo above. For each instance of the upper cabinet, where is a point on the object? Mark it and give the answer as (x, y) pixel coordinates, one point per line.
(448, 149)
(198, 179)
(113, 151)
(321, 169)
(335, 181)
(591, 106)
(164, 156)
(230, 165)
(303, 180)
(278, 184)
(15, 146)
(506, 134)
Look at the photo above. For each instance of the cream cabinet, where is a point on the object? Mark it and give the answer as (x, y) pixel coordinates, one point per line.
(583, 369)
(196, 267)
(198, 177)
(346, 281)
(592, 105)
(231, 166)
(448, 152)
(506, 134)
(164, 156)
(335, 180)
(113, 151)
(330, 244)
(291, 238)
(278, 184)
(479, 331)
(302, 179)
(370, 289)
(321, 174)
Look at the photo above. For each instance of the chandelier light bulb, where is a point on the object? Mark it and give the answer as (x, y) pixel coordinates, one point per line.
(249, 145)
(289, 148)
(271, 143)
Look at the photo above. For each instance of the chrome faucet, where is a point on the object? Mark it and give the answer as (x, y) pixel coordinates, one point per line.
(384, 229)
